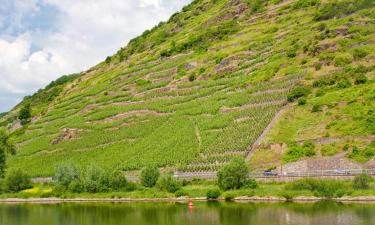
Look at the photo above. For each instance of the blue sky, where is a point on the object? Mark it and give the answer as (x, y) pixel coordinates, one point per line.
(41, 40)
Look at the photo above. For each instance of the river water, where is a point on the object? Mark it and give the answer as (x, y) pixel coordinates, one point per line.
(203, 213)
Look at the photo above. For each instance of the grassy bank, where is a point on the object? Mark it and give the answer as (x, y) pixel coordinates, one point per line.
(195, 189)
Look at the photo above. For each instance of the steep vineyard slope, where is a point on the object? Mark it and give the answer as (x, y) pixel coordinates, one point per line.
(197, 90)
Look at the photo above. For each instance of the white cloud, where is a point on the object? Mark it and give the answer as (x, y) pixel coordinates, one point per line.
(86, 31)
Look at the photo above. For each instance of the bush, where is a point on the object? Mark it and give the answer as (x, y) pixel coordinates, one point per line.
(343, 60)
(362, 181)
(234, 175)
(296, 152)
(316, 108)
(16, 180)
(92, 179)
(180, 193)
(149, 176)
(298, 92)
(250, 184)
(341, 8)
(5, 147)
(318, 66)
(168, 183)
(117, 181)
(321, 188)
(359, 53)
(213, 194)
(344, 83)
(65, 174)
(360, 79)
(302, 101)
(25, 113)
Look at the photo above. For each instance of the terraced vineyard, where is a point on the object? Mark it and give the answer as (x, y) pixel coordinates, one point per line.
(193, 92)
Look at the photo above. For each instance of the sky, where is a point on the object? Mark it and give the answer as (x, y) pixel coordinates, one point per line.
(40, 40)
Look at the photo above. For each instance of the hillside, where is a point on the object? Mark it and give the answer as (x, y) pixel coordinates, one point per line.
(197, 90)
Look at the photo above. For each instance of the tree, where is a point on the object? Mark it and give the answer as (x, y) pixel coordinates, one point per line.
(168, 183)
(25, 113)
(234, 175)
(149, 176)
(65, 174)
(16, 180)
(6, 147)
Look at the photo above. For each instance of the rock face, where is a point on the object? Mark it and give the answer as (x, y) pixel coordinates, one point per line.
(15, 125)
(66, 134)
(327, 163)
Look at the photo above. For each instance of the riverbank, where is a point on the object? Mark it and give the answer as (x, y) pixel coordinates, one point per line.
(244, 199)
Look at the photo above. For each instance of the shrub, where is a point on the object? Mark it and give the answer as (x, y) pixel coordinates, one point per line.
(298, 92)
(16, 180)
(362, 181)
(117, 181)
(321, 188)
(296, 152)
(234, 175)
(305, 3)
(92, 179)
(360, 79)
(341, 8)
(180, 193)
(343, 60)
(65, 174)
(316, 108)
(359, 53)
(250, 183)
(192, 77)
(167, 182)
(149, 176)
(302, 101)
(25, 113)
(344, 83)
(213, 194)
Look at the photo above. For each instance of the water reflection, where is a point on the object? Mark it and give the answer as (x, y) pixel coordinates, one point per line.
(211, 213)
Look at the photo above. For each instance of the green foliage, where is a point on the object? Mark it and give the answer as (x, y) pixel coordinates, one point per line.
(203, 40)
(256, 5)
(6, 147)
(92, 179)
(363, 155)
(234, 175)
(25, 113)
(298, 92)
(149, 176)
(316, 108)
(305, 3)
(297, 152)
(359, 53)
(15, 181)
(302, 101)
(321, 188)
(343, 60)
(213, 194)
(370, 121)
(360, 79)
(167, 182)
(65, 174)
(344, 83)
(362, 181)
(341, 8)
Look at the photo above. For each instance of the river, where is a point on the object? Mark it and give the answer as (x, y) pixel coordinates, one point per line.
(211, 213)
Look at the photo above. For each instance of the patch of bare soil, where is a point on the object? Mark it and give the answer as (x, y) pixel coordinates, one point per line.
(66, 134)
